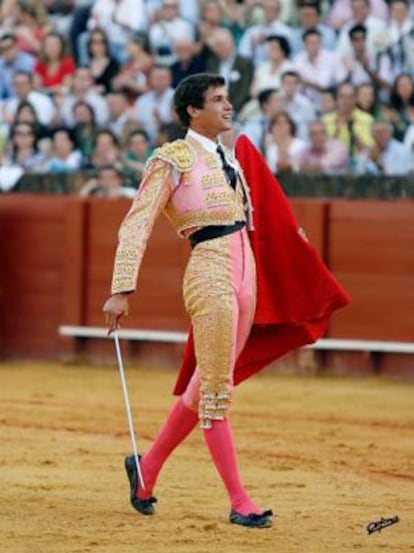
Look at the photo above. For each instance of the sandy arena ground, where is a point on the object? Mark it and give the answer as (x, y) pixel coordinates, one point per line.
(327, 455)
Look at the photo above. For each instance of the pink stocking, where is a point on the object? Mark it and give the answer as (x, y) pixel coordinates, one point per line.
(220, 443)
(178, 425)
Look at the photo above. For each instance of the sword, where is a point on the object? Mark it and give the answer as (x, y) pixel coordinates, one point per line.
(128, 408)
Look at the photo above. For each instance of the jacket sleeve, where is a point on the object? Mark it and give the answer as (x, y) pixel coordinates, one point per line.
(150, 200)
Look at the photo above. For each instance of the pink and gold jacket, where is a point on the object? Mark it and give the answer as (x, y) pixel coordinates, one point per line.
(187, 183)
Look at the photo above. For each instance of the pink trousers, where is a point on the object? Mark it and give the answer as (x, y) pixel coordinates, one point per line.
(219, 291)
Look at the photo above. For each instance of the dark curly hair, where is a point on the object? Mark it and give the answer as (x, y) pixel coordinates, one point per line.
(191, 92)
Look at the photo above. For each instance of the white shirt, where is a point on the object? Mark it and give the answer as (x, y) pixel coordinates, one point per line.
(376, 36)
(150, 104)
(42, 104)
(130, 15)
(259, 52)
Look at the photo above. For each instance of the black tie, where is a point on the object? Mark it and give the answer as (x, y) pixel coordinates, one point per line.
(228, 169)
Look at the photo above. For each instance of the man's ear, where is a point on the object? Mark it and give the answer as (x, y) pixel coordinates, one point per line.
(193, 112)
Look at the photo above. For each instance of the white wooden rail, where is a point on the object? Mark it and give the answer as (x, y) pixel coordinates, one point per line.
(330, 344)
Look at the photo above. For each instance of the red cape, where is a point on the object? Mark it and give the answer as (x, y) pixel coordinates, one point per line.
(296, 293)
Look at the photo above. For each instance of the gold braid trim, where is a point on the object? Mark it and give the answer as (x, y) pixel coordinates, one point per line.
(180, 154)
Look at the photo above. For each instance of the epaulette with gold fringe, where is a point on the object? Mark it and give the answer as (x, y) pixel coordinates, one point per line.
(178, 153)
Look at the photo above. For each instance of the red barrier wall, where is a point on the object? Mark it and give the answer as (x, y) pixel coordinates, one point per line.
(57, 254)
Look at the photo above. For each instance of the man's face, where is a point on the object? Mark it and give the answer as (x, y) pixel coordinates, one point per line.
(346, 99)
(216, 114)
(160, 79)
(116, 105)
(313, 44)
(308, 16)
(381, 133)
(109, 179)
(360, 10)
(399, 11)
(358, 42)
(82, 81)
(271, 10)
(22, 85)
(317, 135)
(290, 85)
(170, 10)
(8, 49)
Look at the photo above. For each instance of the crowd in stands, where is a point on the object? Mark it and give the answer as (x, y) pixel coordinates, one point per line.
(320, 86)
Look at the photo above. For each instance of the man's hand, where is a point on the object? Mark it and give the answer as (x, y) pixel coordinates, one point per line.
(115, 308)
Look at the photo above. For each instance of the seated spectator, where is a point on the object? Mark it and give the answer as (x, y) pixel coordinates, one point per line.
(270, 103)
(298, 106)
(409, 139)
(25, 113)
(389, 156)
(107, 184)
(322, 155)
(341, 12)
(134, 73)
(367, 99)
(328, 102)
(268, 74)
(188, 60)
(362, 65)
(309, 12)
(137, 152)
(12, 61)
(23, 149)
(106, 149)
(82, 90)
(119, 19)
(29, 25)
(349, 124)
(104, 67)
(400, 110)
(222, 13)
(85, 128)
(166, 30)
(253, 42)
(282, 148)
(237, 70)
(64, 157)
(400, 34)
(60, 13)
(376, 29)
(167, 132)
(155, 106)
(25, 92)
(55, 68)
(318, 68)
(120, 122)
(211, 18)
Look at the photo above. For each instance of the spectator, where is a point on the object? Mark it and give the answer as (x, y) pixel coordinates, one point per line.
(104, 67)
(349, 124)
(340, 12)
(376, 29)
(85, 129)
(282, 148)
(120, 122)
(30, 25)
(55, 68)
(310, 18)
(155, 106)
(298, 106)
(318, 68)
(163, 33)
(322, 155)
(211, 19)
(24, 88)
(137, 152)
(367, 99)
(133, 76)
(24, 150)
(253, 42)
(400, 33)
(388, 155)
(64, 156)
(25, 113)
(401, 106)
(268, 73)
(237, 70)
(82, 89)
(328, 102)
(12, 61)
(362, 65)
(119, 19)
(270, 102)
(188, 60)
(409, 139)
(59, 14)
(233, 17)
(106, 149)
(107, 184)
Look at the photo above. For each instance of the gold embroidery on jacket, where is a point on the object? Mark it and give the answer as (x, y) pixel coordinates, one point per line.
(152, 196)
(178, 153)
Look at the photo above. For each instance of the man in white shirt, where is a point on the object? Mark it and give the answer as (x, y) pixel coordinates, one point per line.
(318, 68)
(298, 106)
(24, 89)
(253, 42)
(155, 106)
